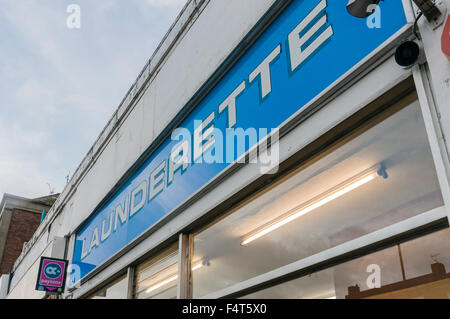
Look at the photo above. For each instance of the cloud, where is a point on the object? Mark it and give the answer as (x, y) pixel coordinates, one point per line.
(19, 168)
(60, 86)
(166, 3)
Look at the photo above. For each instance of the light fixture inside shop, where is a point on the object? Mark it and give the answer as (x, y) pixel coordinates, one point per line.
(318, 201)
(170, 279)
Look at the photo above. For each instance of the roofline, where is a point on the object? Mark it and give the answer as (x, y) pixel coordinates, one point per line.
(29, 200)
(12, 197)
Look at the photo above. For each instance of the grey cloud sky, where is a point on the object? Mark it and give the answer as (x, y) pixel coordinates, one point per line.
(59, 86)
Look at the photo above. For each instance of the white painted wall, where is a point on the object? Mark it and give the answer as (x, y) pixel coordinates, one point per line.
(4, 282)
(23, 283)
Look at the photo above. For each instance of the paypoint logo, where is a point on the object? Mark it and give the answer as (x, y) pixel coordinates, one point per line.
(52, 275)
(52, 270)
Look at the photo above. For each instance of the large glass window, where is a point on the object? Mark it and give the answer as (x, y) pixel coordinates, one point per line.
(414, 270)
(157, 278)
(379, 175)
(118, 289)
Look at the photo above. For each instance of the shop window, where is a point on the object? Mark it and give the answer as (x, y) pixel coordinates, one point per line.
(157, 278)
(115, 290)
(417, 269)
(380, 174)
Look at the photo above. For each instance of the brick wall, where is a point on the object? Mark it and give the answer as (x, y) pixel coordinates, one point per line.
(21, 229)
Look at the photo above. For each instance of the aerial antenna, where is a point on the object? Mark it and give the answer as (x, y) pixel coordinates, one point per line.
(51, 189)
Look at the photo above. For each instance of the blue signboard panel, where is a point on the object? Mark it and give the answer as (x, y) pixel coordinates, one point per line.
(310, 45)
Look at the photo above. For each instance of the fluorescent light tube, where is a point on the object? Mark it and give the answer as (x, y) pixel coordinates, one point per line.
(170, 279)
(198, 266)
(316, 202)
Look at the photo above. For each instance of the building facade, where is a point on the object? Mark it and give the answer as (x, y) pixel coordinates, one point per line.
(268, 149)
(19, 219)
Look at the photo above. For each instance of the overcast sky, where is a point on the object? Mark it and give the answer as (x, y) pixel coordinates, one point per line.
(60, 86)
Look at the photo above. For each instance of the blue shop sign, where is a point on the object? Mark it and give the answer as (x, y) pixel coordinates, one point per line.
(310, 45)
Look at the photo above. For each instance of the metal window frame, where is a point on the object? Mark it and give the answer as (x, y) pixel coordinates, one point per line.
(184, 266)
(131, 275)
(426, 222)
(432, 126)
(432, 220)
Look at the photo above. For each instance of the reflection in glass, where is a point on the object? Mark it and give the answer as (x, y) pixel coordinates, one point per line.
(317, 202)
(157, 278)
(312, 210)
(416, 269)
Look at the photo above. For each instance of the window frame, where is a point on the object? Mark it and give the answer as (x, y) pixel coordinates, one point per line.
(424, 223)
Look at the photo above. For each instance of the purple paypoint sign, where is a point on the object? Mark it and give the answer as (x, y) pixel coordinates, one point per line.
(52, 275)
